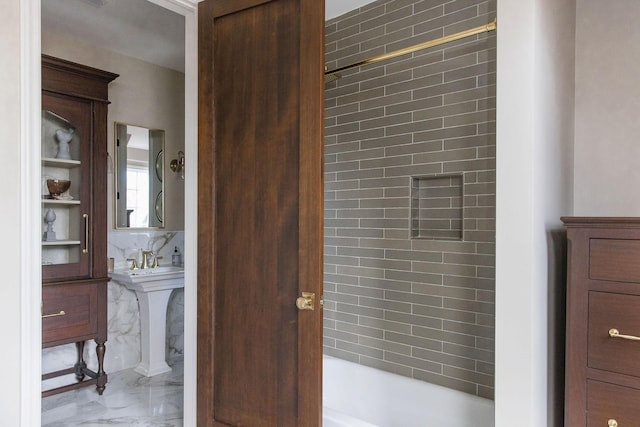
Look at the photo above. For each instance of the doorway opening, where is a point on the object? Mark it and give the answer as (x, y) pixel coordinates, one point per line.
(78, 32)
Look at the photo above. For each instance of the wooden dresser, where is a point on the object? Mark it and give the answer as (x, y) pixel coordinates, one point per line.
(603, 322)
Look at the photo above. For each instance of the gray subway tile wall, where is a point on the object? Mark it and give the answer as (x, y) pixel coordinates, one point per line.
(413, 303)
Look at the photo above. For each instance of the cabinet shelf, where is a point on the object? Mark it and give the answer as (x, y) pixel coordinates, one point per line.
(60, 202)
(61, 163)
(61, 243)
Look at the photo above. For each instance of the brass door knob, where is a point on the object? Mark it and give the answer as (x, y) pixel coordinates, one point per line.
(612, 423)
(306, 301)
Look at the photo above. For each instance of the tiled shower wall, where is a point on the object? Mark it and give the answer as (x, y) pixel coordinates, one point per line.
(418, 302)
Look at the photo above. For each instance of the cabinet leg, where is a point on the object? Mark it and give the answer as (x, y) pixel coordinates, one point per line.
(80, 365)
(101, 379)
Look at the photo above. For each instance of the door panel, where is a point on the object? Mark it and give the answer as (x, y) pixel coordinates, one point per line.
(260, 212)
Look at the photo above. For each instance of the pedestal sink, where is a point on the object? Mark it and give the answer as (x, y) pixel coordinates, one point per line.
(153, 287)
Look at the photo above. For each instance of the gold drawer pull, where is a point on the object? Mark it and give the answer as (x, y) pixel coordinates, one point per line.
(614, 333)
(612, 423)
(61, 313)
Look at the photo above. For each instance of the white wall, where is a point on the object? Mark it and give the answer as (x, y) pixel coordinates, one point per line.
(534, 188)
(144, 95)
(545, 171)
(10, 215)
(554, 188)
(607, 108)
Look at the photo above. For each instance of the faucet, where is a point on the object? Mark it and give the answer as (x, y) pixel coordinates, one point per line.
(155, 262)
(145, 259)
(134, 263)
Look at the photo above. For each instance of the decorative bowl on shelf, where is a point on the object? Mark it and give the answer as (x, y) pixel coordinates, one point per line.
(57, 187)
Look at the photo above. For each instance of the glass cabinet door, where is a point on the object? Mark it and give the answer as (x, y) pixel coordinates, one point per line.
(66, 187)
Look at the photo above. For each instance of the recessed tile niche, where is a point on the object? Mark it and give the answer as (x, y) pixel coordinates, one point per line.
(436, 207)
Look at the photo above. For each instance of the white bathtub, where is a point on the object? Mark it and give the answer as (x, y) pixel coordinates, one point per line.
(357, 396)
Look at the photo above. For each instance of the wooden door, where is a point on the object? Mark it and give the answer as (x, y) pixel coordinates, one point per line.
(260, 207)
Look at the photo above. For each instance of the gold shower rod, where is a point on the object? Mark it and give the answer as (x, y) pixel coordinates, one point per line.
(331, 74)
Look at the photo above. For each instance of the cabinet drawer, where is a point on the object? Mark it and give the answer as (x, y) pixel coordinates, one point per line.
(617, 260)
(622, 312)
(80, 306)
(612, 402)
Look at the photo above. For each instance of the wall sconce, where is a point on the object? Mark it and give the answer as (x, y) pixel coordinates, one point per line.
(177, 165)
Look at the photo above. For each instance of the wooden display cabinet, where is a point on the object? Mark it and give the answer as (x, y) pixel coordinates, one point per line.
(74, 228)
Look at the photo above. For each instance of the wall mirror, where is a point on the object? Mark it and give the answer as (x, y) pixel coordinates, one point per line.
(139, 165)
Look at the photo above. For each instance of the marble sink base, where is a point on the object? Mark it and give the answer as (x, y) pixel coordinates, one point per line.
(130, 399)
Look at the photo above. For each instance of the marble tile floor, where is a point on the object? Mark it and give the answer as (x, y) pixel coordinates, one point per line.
(130, 399)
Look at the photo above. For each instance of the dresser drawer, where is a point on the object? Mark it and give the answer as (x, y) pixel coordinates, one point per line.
(614, 311)
(69, 312)
(616, 260)
(612, 402)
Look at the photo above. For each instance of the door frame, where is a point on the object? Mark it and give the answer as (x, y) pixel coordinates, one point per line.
(508, 396)
(31, 292)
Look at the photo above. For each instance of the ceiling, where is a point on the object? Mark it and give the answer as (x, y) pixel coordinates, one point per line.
(136, 28)
(334, 8)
